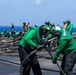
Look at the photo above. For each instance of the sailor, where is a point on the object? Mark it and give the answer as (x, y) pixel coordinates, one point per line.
(67, 47)
(6, 33)
(25, 26)
(68, 26)
(31, 40)
(14, 34)
(12, 29)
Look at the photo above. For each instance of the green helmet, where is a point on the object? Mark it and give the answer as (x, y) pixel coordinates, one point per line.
(56, 30)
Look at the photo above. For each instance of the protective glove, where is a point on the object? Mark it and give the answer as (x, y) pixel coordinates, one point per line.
(54, 61)
(45, 41)
(39, 47)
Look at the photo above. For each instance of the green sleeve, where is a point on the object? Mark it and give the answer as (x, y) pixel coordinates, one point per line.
(62, 44)
(15, 35)
(5, 34)
(71, 28)
(29, 38)
(49, 36)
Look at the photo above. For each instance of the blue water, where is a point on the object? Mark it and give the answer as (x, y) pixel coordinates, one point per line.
(74, 29)
(16, 28)
(19, 28)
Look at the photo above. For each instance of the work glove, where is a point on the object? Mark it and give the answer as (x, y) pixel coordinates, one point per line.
(45, 41)
(54, 61)
(39, 47)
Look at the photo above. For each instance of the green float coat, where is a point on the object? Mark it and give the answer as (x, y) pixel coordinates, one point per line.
(31, 38)
(66, 44)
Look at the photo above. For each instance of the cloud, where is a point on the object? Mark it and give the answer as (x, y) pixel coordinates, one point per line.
(38, 2)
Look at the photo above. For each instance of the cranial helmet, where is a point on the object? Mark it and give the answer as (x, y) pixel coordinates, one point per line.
(43, 29)
(64, 22)
(56, 30)
(47, 22)
(36, 25)
(68, 22)
(24, 23)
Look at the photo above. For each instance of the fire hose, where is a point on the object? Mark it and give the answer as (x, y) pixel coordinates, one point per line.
(35, 52)
(51, 54)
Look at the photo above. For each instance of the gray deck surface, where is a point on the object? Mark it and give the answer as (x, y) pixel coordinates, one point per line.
(12, 69)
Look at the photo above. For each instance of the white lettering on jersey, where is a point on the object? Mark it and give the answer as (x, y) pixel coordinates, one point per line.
(64, 33)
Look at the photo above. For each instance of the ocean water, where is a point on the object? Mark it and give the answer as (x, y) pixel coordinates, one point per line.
(16, 28)
(74, 29)
(19, 28)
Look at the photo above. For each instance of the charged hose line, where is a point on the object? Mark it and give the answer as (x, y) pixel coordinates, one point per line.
(35, 52)
(51, 54)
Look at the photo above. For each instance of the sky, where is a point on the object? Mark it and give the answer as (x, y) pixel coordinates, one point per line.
(37, 11)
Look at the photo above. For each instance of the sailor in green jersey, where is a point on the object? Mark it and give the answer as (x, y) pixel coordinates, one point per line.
(6, 33)
(20, 33)
(68, 26)
(48, 24)
(14, 35)
(31, 40)
(48, 27)
(48, 35)
(66, 46)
